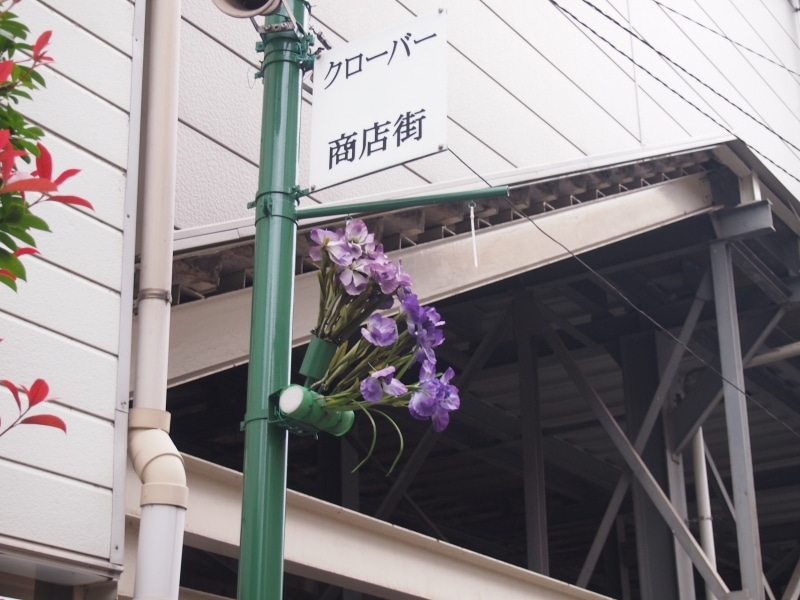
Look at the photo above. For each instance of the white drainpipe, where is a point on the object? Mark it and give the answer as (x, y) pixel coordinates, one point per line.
(155, 459)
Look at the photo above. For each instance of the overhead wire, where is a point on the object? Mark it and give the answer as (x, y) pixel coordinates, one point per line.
(676, 92)
(616, 290)
(725, 37)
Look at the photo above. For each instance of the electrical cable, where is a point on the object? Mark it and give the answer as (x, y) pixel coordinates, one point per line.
(725, 37)
(629, 302)
(684, 70)
(677, 93)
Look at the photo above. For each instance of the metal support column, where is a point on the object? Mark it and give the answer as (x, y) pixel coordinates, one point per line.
(705, 524)
(656, 405)
(737, 422)
(636, 465)
(532, 454)
(654, 544)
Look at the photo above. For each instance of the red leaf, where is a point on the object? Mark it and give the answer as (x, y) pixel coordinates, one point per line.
(71, 200)
(23, 251)
(5, 70)
(37, 393)
(49, 420)
(5, 136)
(14, 391)
(32, 184)
(44, 163)
(41, 42)
(7, 273)
(65, 175)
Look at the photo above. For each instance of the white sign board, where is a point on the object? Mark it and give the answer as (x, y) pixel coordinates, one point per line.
(379, 102)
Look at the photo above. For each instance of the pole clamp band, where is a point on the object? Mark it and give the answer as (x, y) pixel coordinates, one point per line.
(155, 294)
(272, 204)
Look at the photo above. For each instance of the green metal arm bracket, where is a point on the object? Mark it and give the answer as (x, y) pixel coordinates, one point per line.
(331, 210)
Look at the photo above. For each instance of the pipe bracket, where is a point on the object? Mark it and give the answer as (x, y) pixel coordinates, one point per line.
(272, 203)
(149, 418)
(155, 294)
(170, 494)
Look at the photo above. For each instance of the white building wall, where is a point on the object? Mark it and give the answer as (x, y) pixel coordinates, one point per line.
(528, 86)
(64, 323)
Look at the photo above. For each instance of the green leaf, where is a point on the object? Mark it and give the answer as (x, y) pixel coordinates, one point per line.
(37, 78)
(9, 282)
(7, 241)
(12, 264)
(22, 235)
(34, 222)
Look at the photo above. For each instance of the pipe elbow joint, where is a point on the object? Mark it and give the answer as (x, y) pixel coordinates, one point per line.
(155, 459)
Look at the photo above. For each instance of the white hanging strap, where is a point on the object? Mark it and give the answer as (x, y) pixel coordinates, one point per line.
(472, 229)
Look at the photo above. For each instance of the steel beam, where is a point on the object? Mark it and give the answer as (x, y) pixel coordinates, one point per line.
(667, 379)
(654, 547)
(637, 466)
(532, 452)
(733, 386)
(439, 270)
(701, 399)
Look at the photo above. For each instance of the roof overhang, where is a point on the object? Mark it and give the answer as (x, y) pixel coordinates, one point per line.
(552, 213)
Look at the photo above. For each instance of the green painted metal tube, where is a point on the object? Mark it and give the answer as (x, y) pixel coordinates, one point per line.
(399, 203)
(265, 455)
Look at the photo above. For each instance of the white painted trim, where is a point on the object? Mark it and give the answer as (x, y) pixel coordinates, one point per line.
(124, 367)
(243, 229)
(342, 547)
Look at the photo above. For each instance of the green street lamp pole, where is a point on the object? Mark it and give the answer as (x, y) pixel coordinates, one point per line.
(265, 454)
(285, 47)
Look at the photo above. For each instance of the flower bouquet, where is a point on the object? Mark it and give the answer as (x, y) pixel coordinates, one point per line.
(359, 359)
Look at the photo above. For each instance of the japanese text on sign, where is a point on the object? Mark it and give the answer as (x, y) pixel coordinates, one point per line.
(379, 102)
(349, 146)
(353, 65)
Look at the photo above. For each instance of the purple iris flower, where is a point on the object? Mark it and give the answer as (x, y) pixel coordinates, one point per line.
(323, 238)
(435, 399)
(380, 331)
(356, 232)
(342, 246)
(355, 276)
(381, 383)
(424, 325)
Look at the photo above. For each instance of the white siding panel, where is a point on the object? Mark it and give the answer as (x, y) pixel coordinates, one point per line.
(80, 376)
(110, 20)
(660, 126)
(774, 21)
(107, 73)
(361, 16)
(51, 510)
(81, 244)
(78, 115)
(716, 63)
(214, 186)
(237, 35)
(524, 73)
(218, 95)
(88, 439)
(512, 129)
(607, 82)
(66, 304)
(99, 182)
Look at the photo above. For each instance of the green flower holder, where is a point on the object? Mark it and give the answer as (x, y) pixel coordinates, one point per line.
(317, 358)
(304, 410)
